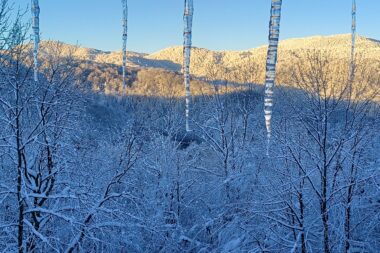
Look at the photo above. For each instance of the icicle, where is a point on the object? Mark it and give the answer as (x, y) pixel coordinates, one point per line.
(125, 35)
(188, 20)
(353, 43)
(274, 33)
(36, 35)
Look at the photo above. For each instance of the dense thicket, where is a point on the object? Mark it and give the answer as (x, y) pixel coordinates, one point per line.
(84, 170)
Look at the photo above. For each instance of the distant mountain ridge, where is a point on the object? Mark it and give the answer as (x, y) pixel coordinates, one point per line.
(240, 67)
(339, 43)
(202, 59)
(207, 62)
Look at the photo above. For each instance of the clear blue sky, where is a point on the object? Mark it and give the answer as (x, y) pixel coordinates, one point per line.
(218, 24)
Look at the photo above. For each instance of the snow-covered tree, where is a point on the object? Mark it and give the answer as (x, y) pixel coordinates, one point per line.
(34, 120)
(324, 142)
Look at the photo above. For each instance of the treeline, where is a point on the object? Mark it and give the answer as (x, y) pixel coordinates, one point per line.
(158, 82)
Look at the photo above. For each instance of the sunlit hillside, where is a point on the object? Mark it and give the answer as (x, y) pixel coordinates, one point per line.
(237, 66)
(159, 73)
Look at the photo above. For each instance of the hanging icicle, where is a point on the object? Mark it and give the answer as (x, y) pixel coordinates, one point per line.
(125, 35)
(36, 35)
(353, 43)
(188, 20)
(270, 76)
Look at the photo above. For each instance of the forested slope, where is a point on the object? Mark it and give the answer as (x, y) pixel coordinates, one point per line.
(88, 167)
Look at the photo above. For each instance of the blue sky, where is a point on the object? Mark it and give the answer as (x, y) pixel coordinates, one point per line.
(218, 24)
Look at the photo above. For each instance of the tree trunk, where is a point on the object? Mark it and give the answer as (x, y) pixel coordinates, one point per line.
(21, 207)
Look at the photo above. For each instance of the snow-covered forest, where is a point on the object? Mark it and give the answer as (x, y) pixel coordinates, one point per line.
(102, 157)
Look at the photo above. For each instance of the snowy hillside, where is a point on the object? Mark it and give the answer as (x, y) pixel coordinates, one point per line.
(123, 171)
(97, 155)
